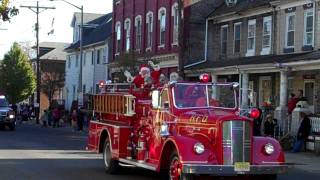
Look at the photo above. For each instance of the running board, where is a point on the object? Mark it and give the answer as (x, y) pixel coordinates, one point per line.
(141, 165)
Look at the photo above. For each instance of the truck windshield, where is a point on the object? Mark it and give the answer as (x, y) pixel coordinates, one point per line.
(195, 95)
(3, 103)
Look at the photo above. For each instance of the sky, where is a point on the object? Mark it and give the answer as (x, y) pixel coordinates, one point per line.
(21, 27)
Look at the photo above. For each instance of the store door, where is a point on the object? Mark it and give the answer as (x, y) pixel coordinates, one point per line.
(309, 94)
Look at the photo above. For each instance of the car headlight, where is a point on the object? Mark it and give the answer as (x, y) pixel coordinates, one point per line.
(269, 148)
(11, 116)
(198, 148)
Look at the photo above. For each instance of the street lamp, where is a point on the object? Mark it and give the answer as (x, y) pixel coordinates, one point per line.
(81, 48)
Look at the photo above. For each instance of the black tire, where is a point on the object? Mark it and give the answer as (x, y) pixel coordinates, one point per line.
(266, 177)
(111, 166)
(174, 157)
(12, 126)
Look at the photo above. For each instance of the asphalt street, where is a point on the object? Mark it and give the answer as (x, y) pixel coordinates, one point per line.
(35, 153)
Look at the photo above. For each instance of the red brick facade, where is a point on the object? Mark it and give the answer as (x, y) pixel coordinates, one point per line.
(130, 9)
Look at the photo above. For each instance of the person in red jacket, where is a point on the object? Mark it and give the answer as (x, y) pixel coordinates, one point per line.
(292, 103)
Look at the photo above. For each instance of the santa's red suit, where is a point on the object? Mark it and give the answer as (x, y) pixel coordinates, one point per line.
(138, 81)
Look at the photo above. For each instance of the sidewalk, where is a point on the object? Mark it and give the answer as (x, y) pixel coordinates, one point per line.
(305, 161)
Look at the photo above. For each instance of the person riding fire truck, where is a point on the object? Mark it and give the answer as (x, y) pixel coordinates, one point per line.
(189, 129)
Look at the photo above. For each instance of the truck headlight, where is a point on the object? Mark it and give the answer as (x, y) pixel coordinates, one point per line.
(198, 148)
(11, 116)
(269, 148)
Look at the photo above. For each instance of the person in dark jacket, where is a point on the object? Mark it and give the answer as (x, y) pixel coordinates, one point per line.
(257, 124)
(303, 132)
(269, 125)
(80, 119)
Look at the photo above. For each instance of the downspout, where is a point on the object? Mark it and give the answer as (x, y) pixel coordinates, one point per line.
(314, 23)
(205, 49)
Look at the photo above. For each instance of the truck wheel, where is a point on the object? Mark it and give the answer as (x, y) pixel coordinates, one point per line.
(111, 166)
(175, 171)
(266, 177)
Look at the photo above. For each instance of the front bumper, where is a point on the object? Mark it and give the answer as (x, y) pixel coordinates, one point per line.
(7, 121)
(222, 170)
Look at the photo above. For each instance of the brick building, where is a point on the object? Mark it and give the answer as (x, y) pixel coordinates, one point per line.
(271, 46)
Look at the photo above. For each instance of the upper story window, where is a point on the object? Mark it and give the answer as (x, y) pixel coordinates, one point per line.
(175, 14)
(290, 29)
(138, 25)
(69, 62)
(98, 56)
(118, 37)
(105, 54)
(77, 60)
(92, 57)
(251, 44)
(162, 19)
(224, 39)
(266, 35)
(237, 37)
(308, 27)
(84, 59)
(149, 21)
(127, 28)
(76, 32)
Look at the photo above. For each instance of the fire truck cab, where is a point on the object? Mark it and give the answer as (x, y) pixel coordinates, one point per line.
(189, 129)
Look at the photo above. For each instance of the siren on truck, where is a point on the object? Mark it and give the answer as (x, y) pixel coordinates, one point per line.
(205, 78)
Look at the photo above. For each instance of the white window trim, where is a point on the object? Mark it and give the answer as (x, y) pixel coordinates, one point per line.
(267, 50)
(234, 36)
(118, 24)
(305, 27)
(294, 29)
(147, 22)
(128, 34)
(221, 30)
(162, 9)
(138, 18)
(175, 28)
(251, 52)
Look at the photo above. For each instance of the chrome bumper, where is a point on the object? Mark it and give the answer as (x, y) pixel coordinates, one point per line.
(221, 170)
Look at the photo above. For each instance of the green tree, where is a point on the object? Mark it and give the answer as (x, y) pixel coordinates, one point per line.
(6, 11)
(16, 74)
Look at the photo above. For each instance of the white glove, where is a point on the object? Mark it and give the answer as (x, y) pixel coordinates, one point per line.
(129, 76)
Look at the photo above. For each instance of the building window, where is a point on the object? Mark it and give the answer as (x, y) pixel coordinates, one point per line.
(127, 27)
(267, 34)
(290, 28)
(73, 92)
(105, 54)
(92, 57)
(308, 28)
(224, 39)
(175, 14)
(69, 62)
(77, 60)
(162, 19)
(98, 56)
(251, 38)
(138, 26)
(237, 37)
(118, 39)
(84, 89)
(149, 21)
(84, 58)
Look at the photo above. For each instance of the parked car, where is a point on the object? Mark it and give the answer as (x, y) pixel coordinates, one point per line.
(7, 115)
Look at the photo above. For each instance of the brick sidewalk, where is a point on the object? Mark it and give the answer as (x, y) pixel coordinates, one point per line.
(305, 161)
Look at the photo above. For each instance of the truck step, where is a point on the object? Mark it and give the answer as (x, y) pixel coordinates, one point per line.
(144, 165)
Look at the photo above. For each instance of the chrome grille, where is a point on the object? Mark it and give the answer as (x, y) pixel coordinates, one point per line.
(3, 113)
(236, 142)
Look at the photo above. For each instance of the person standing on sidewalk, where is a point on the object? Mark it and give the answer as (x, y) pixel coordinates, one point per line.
(56, 117)
(80, 119)
(74, 121)
(303, 132)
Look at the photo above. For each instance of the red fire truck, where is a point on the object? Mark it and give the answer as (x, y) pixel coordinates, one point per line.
(188, 129)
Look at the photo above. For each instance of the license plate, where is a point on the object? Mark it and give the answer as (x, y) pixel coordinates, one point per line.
(241, 166)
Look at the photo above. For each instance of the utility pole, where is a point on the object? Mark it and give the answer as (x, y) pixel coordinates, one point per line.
(181, 39)
(36, 9)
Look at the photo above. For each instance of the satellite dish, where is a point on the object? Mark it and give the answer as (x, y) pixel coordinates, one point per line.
(231, 2)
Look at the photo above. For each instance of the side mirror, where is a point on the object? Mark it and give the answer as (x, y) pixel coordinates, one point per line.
(155, 99)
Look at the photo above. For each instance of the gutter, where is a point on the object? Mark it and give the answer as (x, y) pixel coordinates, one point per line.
(205, 49)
